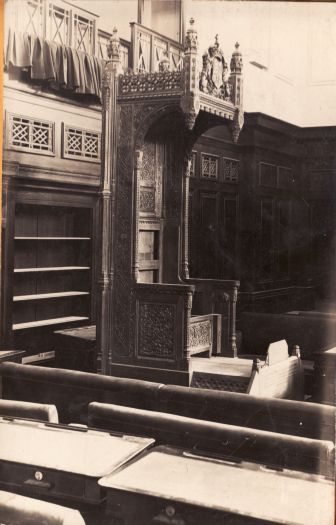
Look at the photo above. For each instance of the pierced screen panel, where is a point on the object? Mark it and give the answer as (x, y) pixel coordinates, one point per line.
(209, 167)
(81, 144)
(29, 134)
(230, 170)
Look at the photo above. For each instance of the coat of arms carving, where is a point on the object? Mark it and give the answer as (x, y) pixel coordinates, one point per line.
(214, 76)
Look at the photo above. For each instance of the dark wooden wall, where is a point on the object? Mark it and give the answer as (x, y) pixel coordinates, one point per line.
(268, 216)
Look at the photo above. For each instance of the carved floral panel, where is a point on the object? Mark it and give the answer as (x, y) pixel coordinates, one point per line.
(156, 329)
(200, 334)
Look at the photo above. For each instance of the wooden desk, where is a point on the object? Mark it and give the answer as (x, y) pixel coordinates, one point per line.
(166, 485)
(75, 348)
(60, 461)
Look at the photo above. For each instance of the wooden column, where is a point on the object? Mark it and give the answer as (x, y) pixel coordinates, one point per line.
(104, 310)
(137, 174)
(185, 218)
(232, 321)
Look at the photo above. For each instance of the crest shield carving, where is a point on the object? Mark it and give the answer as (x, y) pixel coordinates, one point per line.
(214, 76)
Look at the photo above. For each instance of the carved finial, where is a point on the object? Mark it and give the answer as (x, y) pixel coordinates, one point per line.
(216, 40)
(236, 64)
(191, 40)
(113, 47)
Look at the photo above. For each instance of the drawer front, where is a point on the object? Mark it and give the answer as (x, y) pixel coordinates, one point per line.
(135, 509)
(45, 482)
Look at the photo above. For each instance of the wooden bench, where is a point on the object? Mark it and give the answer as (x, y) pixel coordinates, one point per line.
(71, 392)
(24, 409)
(276, 450)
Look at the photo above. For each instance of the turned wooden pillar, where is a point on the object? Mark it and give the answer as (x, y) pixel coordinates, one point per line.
(137, 174)
(185, 218)
(107, 204)
(232, 321)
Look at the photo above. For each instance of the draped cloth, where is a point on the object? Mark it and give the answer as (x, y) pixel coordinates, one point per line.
(61, 66)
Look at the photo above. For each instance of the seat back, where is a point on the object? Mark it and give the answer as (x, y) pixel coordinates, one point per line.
(27, 410)
(231, 442)
(275, 415)
(71, 391)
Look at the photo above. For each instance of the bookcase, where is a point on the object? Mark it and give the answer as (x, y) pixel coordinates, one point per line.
(52, 278)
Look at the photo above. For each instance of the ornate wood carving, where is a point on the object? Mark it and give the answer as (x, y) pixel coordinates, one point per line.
(107, 193)
(148, 84)
(236, 80)
(214, 76)
(190, 103)
(137, 176)
(200, 334)
(147, 200)
(156, 330)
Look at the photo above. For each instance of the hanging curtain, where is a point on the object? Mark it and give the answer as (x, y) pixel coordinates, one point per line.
(61, 66)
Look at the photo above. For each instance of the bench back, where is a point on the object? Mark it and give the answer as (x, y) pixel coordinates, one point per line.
(231, 442)
(39, 411)
(71, 391)
(275, 415)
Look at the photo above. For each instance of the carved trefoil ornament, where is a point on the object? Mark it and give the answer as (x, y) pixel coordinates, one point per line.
(214, 76)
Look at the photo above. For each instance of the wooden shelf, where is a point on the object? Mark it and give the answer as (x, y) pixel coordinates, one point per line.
(49, 322)
(55, 295)
(52, 269)
(52, 238)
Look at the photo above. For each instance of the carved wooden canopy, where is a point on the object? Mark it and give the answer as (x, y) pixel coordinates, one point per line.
(211, 90)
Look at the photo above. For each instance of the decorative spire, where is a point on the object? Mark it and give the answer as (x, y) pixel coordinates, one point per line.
(113, 52)
(191, 39)
(236, 64)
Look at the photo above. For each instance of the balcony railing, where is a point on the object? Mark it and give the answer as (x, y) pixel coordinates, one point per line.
(149, 47)
(56, 21)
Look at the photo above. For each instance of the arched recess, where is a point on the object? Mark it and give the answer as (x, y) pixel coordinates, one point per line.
(213, 209)
(164, 155)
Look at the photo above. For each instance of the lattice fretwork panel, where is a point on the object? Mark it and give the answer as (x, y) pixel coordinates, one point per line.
(209, 167)
(30, 17)
(230, 170)
(220, 382)
(28, 134)
(81, 144)
(58, 24)
(83, 34)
